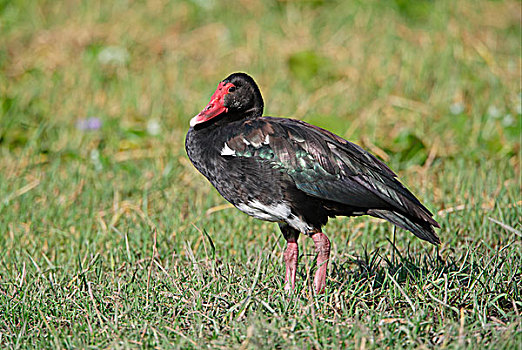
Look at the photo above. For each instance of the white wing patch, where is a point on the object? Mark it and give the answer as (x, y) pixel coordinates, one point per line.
(227, 151)
(299, 224)
(274, 212)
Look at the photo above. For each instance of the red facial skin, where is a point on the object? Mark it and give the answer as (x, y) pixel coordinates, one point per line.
(215, 107)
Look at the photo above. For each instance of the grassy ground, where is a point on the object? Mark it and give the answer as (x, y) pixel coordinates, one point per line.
(110, 239)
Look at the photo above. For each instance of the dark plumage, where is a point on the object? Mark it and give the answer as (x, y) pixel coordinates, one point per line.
(294, 173)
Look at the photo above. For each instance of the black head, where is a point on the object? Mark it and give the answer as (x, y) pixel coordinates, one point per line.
(236, 97)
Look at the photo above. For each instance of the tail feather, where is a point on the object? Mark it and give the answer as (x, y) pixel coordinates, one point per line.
(424, 230)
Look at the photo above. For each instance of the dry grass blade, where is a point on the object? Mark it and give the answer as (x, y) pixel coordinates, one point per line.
(408, 299)
(21, 191)
(506, 227)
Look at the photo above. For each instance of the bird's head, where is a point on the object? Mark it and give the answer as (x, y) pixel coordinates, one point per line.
(236, 97)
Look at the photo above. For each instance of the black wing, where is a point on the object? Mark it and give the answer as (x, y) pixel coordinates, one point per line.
(326, 166)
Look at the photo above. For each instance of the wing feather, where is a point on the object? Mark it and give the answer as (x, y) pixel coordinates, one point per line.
(325, 165)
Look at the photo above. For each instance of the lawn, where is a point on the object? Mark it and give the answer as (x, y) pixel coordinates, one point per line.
(109, 238)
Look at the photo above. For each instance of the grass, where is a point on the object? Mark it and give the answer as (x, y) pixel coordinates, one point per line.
(110, 239)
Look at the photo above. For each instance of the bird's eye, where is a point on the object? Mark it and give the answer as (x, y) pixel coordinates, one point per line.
(232, 89)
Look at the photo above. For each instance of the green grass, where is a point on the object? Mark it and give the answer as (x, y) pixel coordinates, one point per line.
(110, 238)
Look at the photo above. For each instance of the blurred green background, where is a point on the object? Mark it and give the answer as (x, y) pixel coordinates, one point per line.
(395, 72)
(95, 99)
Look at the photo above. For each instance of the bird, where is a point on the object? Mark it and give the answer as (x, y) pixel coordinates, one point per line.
(295, 174)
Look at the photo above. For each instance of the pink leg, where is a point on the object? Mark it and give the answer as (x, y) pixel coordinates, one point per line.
(291, 255)
(322, 247)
